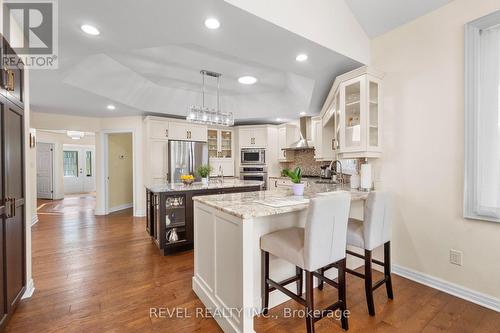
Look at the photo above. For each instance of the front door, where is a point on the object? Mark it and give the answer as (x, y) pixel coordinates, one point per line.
(44, 172)
(78, 168)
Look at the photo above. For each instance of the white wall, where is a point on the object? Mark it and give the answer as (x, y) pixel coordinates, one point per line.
(99, 126)
(329, 23)
(423, 160)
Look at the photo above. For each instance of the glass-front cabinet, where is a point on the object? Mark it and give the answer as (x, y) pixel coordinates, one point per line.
(221, 151)
(359, 130)
(351, 117)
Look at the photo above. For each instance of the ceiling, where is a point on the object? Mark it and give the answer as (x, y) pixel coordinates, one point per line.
(380, 16)
(149, 54)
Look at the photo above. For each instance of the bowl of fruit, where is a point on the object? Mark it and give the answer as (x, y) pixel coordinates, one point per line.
(187, 179)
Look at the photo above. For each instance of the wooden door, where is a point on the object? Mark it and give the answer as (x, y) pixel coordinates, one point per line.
(13, 173)
(3, 304)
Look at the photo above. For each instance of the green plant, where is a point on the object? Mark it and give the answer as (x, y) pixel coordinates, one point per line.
(295, 175)
(204, 170)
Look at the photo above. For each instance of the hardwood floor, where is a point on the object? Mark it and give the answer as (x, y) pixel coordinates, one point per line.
(103, 274)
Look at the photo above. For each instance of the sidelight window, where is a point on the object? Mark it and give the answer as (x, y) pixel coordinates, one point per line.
(70, 160)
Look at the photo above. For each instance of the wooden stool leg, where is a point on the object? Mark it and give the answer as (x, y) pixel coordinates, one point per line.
(298, 270)
(265, 285)
(320, 282)
(387, 269)
(309, 302)
(368, 282)
(342, 293)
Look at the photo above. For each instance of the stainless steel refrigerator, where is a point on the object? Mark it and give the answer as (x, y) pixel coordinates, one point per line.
(184, 157)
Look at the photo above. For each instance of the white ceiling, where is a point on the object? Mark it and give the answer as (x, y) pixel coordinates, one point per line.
(380, 16)
(149, 54)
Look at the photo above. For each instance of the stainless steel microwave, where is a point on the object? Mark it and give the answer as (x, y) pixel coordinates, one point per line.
(253, 156)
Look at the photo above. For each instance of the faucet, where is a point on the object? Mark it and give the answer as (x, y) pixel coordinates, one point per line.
(339, 176)
(220, 175)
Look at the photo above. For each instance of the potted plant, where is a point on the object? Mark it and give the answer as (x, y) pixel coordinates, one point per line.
(204, 171)
(296, 178)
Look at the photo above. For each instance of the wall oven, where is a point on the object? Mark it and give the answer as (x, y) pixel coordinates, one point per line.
(254, 173)
(251, 156)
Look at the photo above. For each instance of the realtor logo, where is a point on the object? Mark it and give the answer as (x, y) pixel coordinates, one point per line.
(30, 27)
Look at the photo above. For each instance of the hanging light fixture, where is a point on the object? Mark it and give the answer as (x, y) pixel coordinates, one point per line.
(206, 115)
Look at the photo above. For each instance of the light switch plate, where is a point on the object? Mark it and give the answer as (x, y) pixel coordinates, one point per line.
(456, 257)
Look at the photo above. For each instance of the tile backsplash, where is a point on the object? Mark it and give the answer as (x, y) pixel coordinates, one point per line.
(305, 159)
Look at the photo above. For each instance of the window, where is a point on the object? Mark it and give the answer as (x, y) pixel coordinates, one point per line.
(88, 163)
(70, 161)
(482, 119)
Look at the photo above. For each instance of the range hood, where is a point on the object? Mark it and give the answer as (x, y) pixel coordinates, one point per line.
(305, 141)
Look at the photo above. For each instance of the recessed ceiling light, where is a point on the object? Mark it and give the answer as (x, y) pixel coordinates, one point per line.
(303, 113)
(247, 80)
(278, 119)
(212, 23)
(301, 57)
(90, 29)
(111, 107)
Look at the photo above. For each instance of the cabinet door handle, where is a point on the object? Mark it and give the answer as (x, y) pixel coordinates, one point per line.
(11, 79)
(166, 133)
(333, 144)
(13, 210)
(8, 208)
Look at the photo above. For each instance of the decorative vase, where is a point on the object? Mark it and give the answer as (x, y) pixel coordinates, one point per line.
(298, 189)
(172, 235)
(204, 180)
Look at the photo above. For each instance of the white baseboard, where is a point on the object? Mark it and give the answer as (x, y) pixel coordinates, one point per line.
(30, 289)
(473, 296)
(139, 213)
(120, 207)
(99, 212)
(34, 219)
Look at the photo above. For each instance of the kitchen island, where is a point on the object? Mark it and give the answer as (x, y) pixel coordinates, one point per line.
(170, 210)
(227, 256)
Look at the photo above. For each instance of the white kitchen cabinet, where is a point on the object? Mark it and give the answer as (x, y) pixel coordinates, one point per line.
(287, 134)
(157, 161)
(187, 131)
(253, 137)
(158, 129)
(221, 150)
(351, 116)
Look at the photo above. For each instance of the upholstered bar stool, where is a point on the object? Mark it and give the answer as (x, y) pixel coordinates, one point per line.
(372, 232)
(320, 243)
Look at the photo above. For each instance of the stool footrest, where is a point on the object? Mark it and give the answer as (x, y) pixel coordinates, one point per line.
(379, 283)
(350, 271)
(286, 282)
(325, 279)
(276, 286)
(375, 261)
(328, 310)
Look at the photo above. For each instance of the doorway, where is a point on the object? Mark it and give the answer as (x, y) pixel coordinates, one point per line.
(45, 170)
(78, 169)
(120, 171)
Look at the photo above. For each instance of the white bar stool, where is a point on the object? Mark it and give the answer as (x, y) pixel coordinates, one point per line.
(372, 232)
(321, 243)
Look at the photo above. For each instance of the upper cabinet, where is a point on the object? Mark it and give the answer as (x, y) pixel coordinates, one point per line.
(287, 134)
(253, 137)
(187, 131)
(351, 116)
(221, 151)
(12, 77)
(158, 129)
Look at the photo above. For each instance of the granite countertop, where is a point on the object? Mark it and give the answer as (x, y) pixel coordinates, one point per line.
(213, 184)
(250, 205)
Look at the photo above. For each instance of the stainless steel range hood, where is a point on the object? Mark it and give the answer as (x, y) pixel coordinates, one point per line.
(305, 141)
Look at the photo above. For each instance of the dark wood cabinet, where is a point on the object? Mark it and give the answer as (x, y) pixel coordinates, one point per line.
(12, 190)
(159, 207)
(12, 77)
